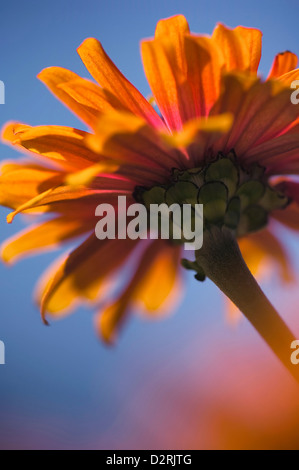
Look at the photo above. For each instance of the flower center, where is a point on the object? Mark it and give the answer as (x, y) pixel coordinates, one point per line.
(232, 196)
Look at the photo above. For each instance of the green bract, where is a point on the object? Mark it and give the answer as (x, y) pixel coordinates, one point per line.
(232, 196)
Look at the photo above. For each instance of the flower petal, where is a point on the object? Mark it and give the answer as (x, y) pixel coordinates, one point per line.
(160, 281)
(263, 246)
(165, 66)
(54, 78)
(49, 234)
(262, 111)
(20, 182)
(205, 64)
(112, 80)
(60, 194)
(64, 146)
(283, 63)
(198, 135)
(128, 139)
(241, 47)
(290, 189)
(152, 283)
(289, 77)
(91, 95)
(275, 153)
(86, 176)
(81, 274)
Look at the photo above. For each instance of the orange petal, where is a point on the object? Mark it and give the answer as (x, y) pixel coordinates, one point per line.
(262, 111)
(110, 320)
(112, 80)
(184, 70)
(62, 145)
(43, 236)
(24, 181)
(62, 194)
(232, 313)
(290, 77)
(283, 63)
(275, 153)
(272, 118)
(198, 129)
(241, 47)
(128, 139)
(173, 27)
(159, 289)
(237, 97)
(205, 64)
(151, 285)
(82, 274)
(54, 78)
(86, 176)
(91, 95)
(260, 248)
(165, 66)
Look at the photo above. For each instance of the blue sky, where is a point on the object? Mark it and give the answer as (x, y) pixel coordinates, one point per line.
(60, 386)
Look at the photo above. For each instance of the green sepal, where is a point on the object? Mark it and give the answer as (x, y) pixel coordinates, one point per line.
(155, 195)
(232, 216)
(272, 200)
(250, 192)
(225, 171)
(193, 266)
(214, 198)
(200, 276)
(182, 192)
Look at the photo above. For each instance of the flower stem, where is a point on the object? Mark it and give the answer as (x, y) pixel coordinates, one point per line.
(221, 259)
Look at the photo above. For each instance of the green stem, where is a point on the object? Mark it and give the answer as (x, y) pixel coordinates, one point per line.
(223, 263)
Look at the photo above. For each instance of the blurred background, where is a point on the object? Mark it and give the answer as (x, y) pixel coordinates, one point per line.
(193, 380)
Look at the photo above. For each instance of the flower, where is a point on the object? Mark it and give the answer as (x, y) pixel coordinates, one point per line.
(218, 128)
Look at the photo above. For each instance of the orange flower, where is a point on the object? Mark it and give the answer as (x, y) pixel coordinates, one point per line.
(212, 107)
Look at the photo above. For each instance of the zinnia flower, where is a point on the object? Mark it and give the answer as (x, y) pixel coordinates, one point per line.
(216, 134)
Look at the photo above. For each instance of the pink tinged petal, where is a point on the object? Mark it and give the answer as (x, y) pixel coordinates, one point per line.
(277, 152)
(264, 111)
(239, 97)
(290, 189)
